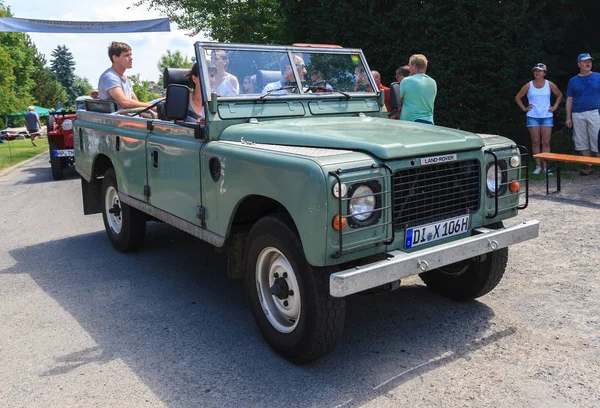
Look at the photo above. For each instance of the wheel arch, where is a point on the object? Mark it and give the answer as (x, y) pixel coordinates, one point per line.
(91, 190)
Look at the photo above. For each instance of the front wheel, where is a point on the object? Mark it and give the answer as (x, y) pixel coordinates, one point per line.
(289, 298)
(469, 279)
(125, 226)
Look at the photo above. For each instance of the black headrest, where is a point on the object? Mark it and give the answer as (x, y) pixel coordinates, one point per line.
(395, 95)
(266, 77)
(99, 105)
(175, 76)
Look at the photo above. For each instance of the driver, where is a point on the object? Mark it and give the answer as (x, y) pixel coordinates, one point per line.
(287, 75)
(113, 85)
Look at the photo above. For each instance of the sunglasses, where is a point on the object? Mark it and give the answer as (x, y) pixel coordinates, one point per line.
(300, 66)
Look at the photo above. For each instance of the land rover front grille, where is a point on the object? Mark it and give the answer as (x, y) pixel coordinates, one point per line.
(430, 193)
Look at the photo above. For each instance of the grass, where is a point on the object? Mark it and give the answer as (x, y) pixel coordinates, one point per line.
(21, 150)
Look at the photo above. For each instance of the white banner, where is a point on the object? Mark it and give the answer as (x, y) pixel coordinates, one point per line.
(9, 24)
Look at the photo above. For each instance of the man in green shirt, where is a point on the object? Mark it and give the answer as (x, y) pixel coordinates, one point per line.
(417, 92)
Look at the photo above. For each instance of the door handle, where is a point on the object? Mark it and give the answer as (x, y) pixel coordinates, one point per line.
(155, 159)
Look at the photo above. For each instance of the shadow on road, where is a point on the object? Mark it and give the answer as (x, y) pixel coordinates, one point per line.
(170, 313)
(43, 174)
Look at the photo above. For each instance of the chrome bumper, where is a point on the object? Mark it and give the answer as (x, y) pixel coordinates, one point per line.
(401, 265)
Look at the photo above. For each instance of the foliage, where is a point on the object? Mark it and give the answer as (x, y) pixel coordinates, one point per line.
(48, 92)
(82, 86)
(249, 21)
(142, 88)
(172, 60)
(62, 65)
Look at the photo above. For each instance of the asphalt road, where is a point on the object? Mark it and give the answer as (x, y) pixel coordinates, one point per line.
(84, 325)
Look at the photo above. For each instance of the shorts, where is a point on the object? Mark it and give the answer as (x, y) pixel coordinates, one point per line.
(33, 132)
(586, 126)
(540, 122)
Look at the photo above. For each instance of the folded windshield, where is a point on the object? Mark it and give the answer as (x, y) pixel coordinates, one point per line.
(265, 73)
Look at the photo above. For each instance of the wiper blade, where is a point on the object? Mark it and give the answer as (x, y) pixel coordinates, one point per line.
(329, 90)
(269, 92)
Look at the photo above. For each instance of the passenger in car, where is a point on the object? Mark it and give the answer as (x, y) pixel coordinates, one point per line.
(196, 107)
(362, 80)
(226, 83)
(287, 75)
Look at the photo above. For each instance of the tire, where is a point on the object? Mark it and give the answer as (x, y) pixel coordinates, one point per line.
(302, 325)
(126, 228)
(469, 279)
(55, 163)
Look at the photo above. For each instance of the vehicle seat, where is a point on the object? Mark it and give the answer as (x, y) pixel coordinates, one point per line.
(99, 105)
(395, 95)
(265, 77)
(175, 76)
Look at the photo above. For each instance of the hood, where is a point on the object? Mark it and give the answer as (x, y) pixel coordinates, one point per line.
(384, 138)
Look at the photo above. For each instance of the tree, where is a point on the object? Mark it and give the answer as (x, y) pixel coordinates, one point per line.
(142, 89)
(82, 85)
(48, 92)
(172, 60)
(62, 65)
(250, 21)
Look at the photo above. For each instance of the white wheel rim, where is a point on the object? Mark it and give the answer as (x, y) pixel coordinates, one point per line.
(112, 201)
(283, 314)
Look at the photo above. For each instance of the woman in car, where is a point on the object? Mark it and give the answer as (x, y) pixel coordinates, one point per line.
(196, 108)
(226, 84)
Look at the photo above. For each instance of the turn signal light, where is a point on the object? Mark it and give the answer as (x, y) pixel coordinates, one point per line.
(513, 186)
(339, 223)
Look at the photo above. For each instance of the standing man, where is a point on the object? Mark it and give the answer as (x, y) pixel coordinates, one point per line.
(583, 102)
(381, 87)
(417, 92)
(113, 85)
(33, 124)
(402, 72)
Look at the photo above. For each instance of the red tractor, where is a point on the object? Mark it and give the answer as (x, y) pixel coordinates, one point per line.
(60, 139)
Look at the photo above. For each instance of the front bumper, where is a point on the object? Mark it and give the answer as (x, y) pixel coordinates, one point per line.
(400, 265)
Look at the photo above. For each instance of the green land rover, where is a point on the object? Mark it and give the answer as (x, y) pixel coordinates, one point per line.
(306, 185)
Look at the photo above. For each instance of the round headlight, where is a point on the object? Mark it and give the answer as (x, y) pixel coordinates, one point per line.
(336, 190)
(515, 161)
(362, 203)
(491, 178)
(67, 124)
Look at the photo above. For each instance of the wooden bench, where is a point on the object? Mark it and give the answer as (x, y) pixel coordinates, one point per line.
(560, 158)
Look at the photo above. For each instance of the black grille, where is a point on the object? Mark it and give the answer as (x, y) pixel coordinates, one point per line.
(431, 193)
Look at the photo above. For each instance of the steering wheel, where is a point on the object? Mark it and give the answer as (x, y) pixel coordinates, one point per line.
(139, 111)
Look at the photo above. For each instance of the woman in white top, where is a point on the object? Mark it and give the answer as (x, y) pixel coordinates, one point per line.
(539, 111)
(226, 84)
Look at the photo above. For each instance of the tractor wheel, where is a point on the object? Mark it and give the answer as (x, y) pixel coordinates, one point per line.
(125, 225)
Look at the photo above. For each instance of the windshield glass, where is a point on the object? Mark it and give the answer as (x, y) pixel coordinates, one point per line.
(239, 72)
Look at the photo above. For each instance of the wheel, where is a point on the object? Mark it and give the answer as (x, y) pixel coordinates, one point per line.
(55, 163)
(289, 298)
(125, 226)
(469, 279)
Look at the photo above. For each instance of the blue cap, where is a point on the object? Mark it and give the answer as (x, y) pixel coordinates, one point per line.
(584, 56)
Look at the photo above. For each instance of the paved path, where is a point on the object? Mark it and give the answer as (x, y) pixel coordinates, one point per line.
(83, 325)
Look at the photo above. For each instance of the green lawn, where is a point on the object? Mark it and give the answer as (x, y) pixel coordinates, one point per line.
(21, 150)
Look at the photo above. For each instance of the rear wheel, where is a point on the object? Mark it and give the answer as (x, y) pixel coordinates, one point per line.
(125, 226)
(469, 279)
(55, 163)
(289, 298)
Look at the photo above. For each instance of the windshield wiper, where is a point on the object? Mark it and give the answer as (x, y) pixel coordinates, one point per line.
(329, 90)
(269, 92)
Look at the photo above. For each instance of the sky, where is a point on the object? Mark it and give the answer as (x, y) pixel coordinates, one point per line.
(90, 51)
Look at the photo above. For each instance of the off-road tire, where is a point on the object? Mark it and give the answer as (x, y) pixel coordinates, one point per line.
(132, 231)
(469, 279)
(321, 318)
(56, 164)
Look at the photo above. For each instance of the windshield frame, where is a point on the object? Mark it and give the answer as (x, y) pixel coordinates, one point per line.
(201, 49)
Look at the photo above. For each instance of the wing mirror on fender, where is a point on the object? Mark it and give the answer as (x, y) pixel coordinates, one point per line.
(177, 102)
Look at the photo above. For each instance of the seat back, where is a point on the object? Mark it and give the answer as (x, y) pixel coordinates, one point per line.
(99, 105)
(395, 95)
(265, 77)
(175, 76)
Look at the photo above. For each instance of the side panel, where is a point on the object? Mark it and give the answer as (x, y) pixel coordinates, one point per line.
(173, 160)
(298, 183)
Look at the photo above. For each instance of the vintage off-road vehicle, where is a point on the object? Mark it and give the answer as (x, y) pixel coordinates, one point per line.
(60, 141)
(312, 191)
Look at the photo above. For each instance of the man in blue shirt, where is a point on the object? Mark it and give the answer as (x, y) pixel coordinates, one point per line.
(418, 92)
(33, 124)
(583, 102)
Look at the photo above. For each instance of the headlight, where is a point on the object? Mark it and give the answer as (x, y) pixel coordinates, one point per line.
(67, 124)
(491, 177)
(515, 161)
(362, 203)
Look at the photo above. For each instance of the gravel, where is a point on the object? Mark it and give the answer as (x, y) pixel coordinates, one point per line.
(83, 325)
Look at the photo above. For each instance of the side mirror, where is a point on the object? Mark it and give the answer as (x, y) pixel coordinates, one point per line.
(395, 95)
(178, 102)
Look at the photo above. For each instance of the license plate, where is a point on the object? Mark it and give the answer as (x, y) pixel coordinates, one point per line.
(425, 234)
(64, 153)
